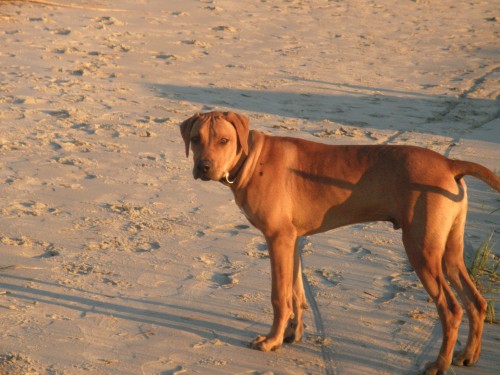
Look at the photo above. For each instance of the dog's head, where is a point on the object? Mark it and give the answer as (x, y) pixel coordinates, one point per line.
(217, 140)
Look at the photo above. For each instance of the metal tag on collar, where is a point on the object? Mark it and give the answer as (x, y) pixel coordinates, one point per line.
(226, 177)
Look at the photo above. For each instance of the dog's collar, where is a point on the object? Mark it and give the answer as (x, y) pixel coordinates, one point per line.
(230, 177)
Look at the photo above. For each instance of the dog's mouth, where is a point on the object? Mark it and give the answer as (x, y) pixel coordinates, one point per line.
(197, 174)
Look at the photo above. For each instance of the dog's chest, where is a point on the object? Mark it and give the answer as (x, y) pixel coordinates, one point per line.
(244, 212)
(247, 216)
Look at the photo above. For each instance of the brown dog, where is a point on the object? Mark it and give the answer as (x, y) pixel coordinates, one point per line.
(290, 187)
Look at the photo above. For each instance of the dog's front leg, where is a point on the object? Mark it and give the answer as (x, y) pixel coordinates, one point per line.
(281, 252)
(295, 329)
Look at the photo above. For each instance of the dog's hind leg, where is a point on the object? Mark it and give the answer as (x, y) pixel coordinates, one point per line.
(450, 313)
(424, 238)
(472, 301)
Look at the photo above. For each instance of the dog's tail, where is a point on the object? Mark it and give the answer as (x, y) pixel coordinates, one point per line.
(461, 168)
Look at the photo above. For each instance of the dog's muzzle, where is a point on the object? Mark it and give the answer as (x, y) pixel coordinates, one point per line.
(202, 169)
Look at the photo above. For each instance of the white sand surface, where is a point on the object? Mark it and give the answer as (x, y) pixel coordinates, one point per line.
(113, 260)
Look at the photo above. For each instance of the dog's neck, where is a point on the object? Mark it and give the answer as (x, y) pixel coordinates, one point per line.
(232, 175)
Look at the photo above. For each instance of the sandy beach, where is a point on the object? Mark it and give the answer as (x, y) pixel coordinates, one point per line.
(113, 260)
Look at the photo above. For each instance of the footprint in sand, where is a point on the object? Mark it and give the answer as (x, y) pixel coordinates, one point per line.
(206, 259)
(29, 208)
(79, 163)
(257, 249)
(360, 252)
(86, 127)
(16, 241)
(391, 283)
(225, 280)
(387, 297)
(177, 371)
(209, 343)
(16, 363)
(330, 277)
(229, 230)
(60, 114)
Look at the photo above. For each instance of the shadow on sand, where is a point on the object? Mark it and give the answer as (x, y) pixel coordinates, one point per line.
(359, 106)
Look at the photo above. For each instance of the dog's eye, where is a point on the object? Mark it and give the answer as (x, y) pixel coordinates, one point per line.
(223, 141)
(195, 140)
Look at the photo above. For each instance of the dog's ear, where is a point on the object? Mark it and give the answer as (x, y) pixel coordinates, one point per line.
(186, 127)
(242, 126)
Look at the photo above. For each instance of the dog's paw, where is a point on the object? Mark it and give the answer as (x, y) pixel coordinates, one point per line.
(290, 339)
(293, 332)
(464, 358)
(264, 344)
(435, 368)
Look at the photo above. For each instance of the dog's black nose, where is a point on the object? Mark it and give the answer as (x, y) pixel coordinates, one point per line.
(204, 166)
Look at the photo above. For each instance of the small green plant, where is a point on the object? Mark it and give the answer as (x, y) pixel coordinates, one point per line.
(484, 274)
